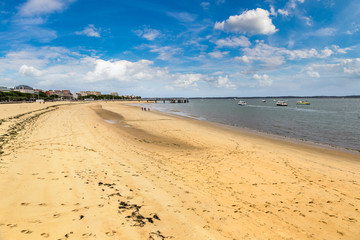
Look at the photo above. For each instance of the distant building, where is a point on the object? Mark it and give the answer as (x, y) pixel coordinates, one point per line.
(24, 89)
(49, 93)
(76, 95)
(63, 94)
(114, 94)
(87, 93)
(4, 89)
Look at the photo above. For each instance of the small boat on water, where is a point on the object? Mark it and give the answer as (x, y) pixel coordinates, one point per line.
(281, 103)
(302, 103)
(263, 100)
(242, 103)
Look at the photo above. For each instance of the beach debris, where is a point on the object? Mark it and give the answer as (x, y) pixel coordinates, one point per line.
(135, 215)
(157, 236)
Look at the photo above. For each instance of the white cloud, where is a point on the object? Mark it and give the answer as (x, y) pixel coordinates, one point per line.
(272, 11)
(124, 71)
(244, 59)
(307, 20)
(283, 12)
(90, 31)
(252, 21)
(324, 32)
(223, 82)
(241, 41)
(326, 53)
(29, 71)
(205, 5)
(263, 81)
(218, 54)
(187, 80)
(340, 50)
(290, 10)
(148, 33)
(351, 66)
(165, 53)
(312, 73)
(192, 80)
(182, 16)
(42, 7)
(273, 56)
(354, 28)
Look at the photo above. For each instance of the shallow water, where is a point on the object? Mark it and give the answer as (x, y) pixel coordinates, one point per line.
(334, 122)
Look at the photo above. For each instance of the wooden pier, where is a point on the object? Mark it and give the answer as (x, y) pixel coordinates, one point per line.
(170, 100)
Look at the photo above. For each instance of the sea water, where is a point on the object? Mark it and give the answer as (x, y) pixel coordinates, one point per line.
(334, 122)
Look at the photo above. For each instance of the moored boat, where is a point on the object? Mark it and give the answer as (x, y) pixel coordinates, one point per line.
(242, 103)
(302, 103)
(281, 103)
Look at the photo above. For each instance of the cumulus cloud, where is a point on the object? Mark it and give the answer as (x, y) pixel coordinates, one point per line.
(90, 31)
(148, 33)
(61, 68)
(223, 82)
(29, 71)
(123, 71)
(252, 22)
(42, 7)
(241, 41)
(263, 80)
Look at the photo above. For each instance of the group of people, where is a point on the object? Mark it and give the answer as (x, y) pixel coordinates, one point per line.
(144, 109)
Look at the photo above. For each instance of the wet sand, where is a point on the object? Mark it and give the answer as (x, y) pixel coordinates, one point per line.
(112, 171)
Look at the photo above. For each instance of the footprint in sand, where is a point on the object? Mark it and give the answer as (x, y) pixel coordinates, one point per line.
(87, 234)
(26, 231)
(45, 235)
(56, 215)
(11, 225)
(110, 234)
(24, 204)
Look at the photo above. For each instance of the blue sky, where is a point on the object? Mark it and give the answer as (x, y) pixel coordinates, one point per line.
(185, 48)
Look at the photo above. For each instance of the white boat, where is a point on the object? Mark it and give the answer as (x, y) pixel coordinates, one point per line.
(263, 100)
(242, 103)
(281, 103)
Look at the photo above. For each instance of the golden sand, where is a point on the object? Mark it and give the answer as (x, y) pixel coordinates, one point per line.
(112, 171)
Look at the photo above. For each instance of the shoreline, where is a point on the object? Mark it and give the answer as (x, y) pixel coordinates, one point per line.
(270, 136)
(264, 133)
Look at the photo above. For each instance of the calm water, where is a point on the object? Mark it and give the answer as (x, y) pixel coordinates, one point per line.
(334, 122)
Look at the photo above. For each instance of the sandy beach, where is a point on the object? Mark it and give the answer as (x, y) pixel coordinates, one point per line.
(111, 171)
